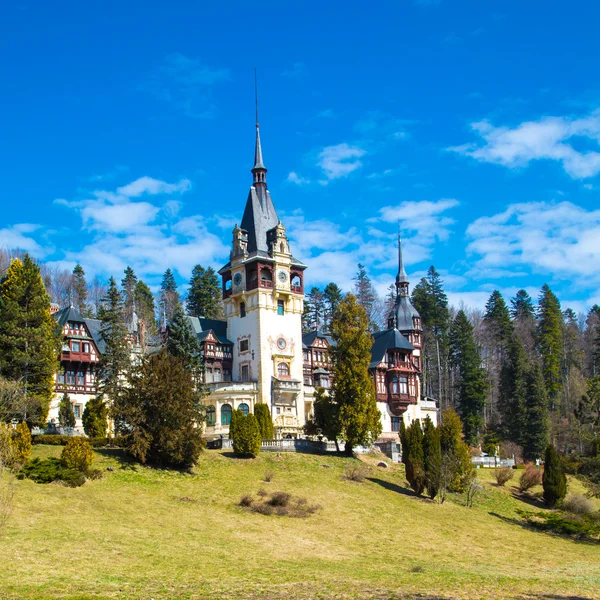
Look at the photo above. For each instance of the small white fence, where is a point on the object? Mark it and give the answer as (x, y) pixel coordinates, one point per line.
(491, 462)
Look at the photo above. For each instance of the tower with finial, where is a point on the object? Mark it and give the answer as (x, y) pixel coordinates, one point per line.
(263, 294)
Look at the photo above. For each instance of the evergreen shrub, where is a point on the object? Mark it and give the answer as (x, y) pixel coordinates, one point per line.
(554, 479)
(265, 422)
(246, 435)
(77, 454)
(94, 418)
(50, 470)
(21, 441)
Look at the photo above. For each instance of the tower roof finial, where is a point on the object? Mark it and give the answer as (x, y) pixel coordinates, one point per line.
(402, 277)
(258, 159)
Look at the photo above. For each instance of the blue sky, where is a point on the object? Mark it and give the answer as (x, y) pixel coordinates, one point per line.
(127, 137)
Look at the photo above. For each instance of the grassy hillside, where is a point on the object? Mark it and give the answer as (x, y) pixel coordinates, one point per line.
(144, 533)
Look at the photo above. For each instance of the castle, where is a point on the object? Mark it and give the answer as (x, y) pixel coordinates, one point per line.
(258, 353)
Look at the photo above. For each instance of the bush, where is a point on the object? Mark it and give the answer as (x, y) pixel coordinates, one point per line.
(94, 418)
(246, 436)
(21, 441)
(280, 499)
(50, 470)
(63, 440)
(278, 503)
(578, 504)
(7, 450)
(355, 472)
(579, 526)
(265, 422)
(269, 475)
(554, 480)
(77, 454)
(246, 500)
(503, 475)
(530, 478)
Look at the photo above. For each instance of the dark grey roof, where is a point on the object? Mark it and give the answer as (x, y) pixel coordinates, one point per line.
(308, 339)
(387, 340)
(320, 371)
(258, 158)
(401, 277)
(202, 327)
(94, 326)
(262, 256)
(405, 312)
(259, 217)
(69, 313)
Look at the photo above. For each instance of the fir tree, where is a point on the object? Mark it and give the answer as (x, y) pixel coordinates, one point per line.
(265, 422)
(497, 321)
(246, 436)
(472, 380)
(432, 458)
(554, 479)
(66, 416)
(182, 341)
(456, 459)
(513, 391)
(314, 310)
(353, 388)
(204, 295)
(80, 291)
(550, 346)
(94, 418)
(28, 342)
(116, 359)
(169, 297)
(333, 296)
(326, 418)
(414, 459)
(144, 302)
(162, 410)
(535, 435)
(128, 287)
(522, 306)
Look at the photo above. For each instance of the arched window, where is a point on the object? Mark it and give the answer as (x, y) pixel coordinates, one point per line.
(228, 285)
(242, 309)
(210, 416)
(265, 274)
(296, 281)
(394, 385)
(283, 369)
(244, 408)
(225, 414)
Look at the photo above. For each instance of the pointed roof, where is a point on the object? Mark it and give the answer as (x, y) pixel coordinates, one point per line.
(68, 314)
(387, 340)
(258, 158)
(259, 217)
(401, 277)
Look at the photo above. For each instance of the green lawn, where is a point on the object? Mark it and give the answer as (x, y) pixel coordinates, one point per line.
(144, 533)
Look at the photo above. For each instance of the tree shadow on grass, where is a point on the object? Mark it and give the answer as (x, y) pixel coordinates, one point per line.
(235, 456)
(125, 460)
(534, 501)
(393, 487)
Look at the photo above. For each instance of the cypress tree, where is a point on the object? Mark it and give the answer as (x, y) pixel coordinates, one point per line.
(204, 294)
(21, 443)
(432, 458)
(28, 341)
(236, 415)
(265, 422)
(94, 418)
(456, 459)
(66, 416)
(554, 479)
(182, 341)
(514, 391)
(80, 291)
(472, 378)
(353, 388)
(403, 440)
(116, 359)
(535, 434)
(550, 322)
(414, 462)
(246, 436)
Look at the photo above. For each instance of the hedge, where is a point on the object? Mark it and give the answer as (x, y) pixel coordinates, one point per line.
(62, 440)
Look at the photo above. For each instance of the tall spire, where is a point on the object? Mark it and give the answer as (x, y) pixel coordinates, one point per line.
(258, 170)
(401, 277)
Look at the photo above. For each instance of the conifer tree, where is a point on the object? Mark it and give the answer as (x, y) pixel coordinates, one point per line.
(522, 306)
(550, 323)
(28, 342)
(265, 422)
(80, 291)
(314, 310)
(366, 296)
(204, 294)
(94, 418)
(333, 296)
(497, 319)
(66, 416)
(432, 458)
(554, 479)
(246, 436)
(414, 460)
(472, 380)
(236, 415)
(21, 443)
(513, 391)
(169, 297)
(535, 434)
(326, 417)
(522, 312)
(128, 287)
(182, 341)
(353, 388)
(116, 359)
(144, 302)
(456, 459)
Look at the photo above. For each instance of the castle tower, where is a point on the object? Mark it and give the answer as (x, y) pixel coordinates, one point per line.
(263, 293)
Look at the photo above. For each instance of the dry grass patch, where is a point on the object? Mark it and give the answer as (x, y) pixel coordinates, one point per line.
(282, 504)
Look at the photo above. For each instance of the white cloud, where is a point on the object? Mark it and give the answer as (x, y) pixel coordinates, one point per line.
(561, 240)
(340, 160)
(148, 185)
(18, 237)
(294, 178)
(549, 138)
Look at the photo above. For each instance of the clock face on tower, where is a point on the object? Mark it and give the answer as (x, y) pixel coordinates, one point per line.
(282, 275)
(281, 344)
(237, 279)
